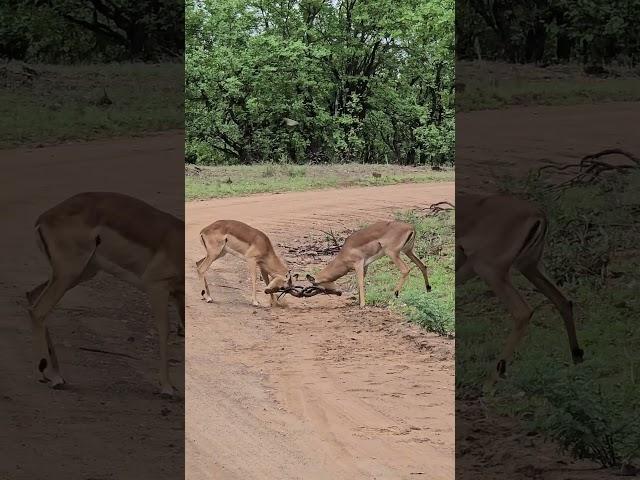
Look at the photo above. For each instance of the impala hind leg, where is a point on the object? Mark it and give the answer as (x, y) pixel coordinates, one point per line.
(423, 268)
(42, 300)
(564, 306)
(44, 350)
(519, 309)
(159, 298)
(215, 250)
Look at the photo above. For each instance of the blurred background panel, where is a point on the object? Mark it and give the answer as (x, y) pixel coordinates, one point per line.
(91, 100)
(546, 112)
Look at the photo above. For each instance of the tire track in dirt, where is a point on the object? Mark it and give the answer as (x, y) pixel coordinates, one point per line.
(320, 389)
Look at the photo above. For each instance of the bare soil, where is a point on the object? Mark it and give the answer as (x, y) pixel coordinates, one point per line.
(108, 423)
(320, 389)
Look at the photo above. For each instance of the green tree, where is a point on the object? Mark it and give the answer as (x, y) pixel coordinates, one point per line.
(316, 80)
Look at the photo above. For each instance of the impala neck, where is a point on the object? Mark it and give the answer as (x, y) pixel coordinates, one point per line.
(335, 269)
(274, 265)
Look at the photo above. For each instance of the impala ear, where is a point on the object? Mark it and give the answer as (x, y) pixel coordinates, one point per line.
(311, 278)
(295, 276)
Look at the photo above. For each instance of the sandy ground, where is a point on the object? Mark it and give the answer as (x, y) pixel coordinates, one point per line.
(492, 145)
(108, 423)
(320, 389)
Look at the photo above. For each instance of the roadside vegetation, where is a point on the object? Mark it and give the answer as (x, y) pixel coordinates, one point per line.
(497, 85)
(44, 104)
(76, 70)
(591, 410)
(202, 182)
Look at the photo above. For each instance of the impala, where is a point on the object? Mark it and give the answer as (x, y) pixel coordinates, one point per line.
(495, 234)
(117, 234)
(366, 246)
(241, 240)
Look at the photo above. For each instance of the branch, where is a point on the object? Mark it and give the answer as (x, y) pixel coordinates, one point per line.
(589, 168)
(98, 27)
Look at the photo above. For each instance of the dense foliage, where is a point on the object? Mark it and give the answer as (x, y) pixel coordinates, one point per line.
(587, 31)
(319, 81)
(68, 31)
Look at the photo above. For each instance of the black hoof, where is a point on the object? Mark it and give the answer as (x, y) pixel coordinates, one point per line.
(501, 368)
(428, 288)
(577, 355)
(396, 293)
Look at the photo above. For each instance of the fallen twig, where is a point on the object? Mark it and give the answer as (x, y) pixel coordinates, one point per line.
(106, 352)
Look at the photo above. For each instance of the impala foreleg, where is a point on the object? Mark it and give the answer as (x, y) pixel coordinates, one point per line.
(253, 274)
(519, 309)
(360, 274)
(265, 278)
(404, 270)
(159, 299)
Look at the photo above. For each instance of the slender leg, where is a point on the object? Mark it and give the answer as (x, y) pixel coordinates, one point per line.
(564, 306)
(253, 273)
(423, 268)
(45, 355)
(360, 268)
(519, 309)
(404, 270)
(179, 302)
(265, 278)
(42, 300)
(202, 266)
(159, 298)
(215, 250)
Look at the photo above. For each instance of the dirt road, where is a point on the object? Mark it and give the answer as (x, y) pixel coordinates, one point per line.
(320, 389)
(108, 423)
(495, 143)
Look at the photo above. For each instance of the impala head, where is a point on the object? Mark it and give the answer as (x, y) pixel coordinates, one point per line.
(282, 281)
(326, 285)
